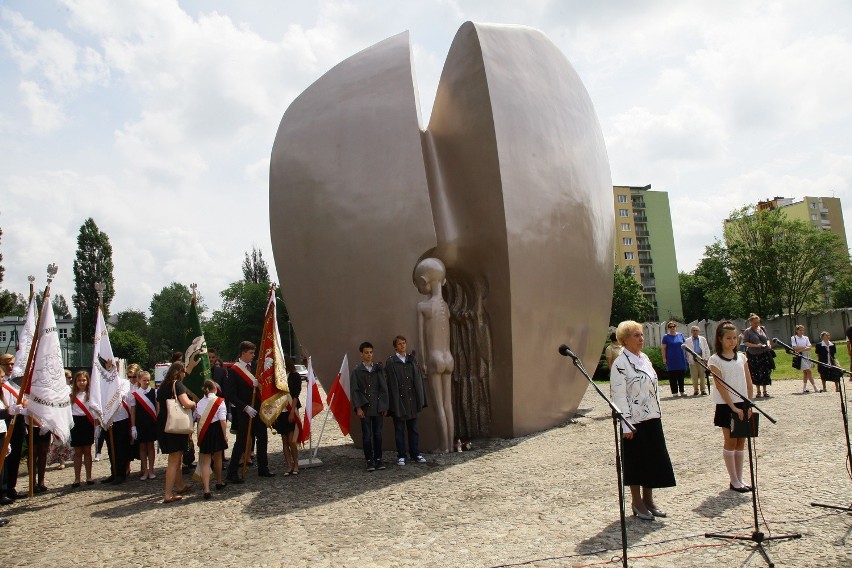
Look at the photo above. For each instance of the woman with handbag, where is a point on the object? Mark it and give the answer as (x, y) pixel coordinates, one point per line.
(174, 421)
(802, 357)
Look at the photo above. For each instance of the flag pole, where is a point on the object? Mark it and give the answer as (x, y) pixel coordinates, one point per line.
(99, 288)
(322, 429)
(28, 370)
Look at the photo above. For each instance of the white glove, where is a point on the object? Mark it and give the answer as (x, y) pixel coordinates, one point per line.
(15, 409)
(250, 411)
(133, 433)
(254, 382)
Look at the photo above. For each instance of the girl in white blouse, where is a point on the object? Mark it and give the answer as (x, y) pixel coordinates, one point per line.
(732, 367)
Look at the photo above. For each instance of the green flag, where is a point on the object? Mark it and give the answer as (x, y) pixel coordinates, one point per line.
(195, 357)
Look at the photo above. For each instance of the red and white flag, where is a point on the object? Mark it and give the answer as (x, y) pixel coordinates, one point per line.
(313, 405)
(49, 396)
(339, 401)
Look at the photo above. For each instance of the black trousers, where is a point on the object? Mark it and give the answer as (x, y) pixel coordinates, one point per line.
(259, 432)
(119, 450)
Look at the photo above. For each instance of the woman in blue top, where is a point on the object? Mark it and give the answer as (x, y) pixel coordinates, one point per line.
(674, 358)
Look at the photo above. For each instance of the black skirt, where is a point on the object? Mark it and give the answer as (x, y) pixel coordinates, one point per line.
(146, 427)
(83, 432)
(283, 425)
(722, 416)
(760, 368)
(214, 439)
(646, 459)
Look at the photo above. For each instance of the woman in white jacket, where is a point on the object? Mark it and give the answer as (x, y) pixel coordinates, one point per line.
(635, 391)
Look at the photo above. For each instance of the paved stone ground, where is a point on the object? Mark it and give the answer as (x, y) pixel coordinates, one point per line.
(545, 500)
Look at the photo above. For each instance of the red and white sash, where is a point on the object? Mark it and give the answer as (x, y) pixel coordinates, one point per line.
(145, 402)
(85, 410)
(11, 390)
(244, 373)
(206, 419)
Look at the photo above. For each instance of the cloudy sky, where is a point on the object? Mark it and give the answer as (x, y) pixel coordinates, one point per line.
(157, 117)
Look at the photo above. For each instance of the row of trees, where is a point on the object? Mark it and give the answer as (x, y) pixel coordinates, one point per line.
(150, 338)
(767, 264)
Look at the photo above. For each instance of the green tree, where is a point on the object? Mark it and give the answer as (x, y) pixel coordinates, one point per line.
(168, 322)
(807, 266)
(752, 253)
(128, 345)
(254, 267)
(12, 304)
(132, 320)
(241, 317)
(93, 263)
(707, 292)
(628, 299)
(841, 293)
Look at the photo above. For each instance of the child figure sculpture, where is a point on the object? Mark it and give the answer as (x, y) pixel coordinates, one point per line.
(433, 322)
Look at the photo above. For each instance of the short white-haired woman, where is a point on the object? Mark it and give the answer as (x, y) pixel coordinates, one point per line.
(635, 391)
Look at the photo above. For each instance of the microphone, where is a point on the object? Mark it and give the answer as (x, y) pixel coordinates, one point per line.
(565, 351)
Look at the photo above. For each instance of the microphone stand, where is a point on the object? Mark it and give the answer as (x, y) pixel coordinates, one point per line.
(617, 416)
(756, 536)
(841, 388)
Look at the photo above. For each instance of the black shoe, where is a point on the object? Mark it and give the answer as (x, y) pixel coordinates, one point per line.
(220, 486)
(4, 522)
(380, 465)
(371, 466)
(109, 479)
(6, 501)
(207, 495)
(234, 479)
(265, 473)
(12, 494)
(40, 488)
(743, 489)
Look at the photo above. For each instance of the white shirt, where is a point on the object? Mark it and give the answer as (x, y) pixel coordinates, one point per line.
(733, 373)
(633, 382)
(75, 408)
(221, 412)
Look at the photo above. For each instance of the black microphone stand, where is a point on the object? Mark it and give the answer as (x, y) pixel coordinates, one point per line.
(841, 388)
(757, 535)
(617, 416)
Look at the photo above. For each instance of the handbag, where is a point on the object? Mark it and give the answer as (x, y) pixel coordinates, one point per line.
(797, 361)
(178, 418)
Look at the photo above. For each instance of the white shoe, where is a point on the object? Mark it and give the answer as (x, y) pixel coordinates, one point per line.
(400, 461)
(420, 459)
(97, 457)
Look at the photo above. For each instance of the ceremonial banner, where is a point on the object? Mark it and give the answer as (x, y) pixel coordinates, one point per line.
(25, 340)
(339, 399)
(49, 395)
(105, 392)
(313, 406)
(195, 357)
(271, 373)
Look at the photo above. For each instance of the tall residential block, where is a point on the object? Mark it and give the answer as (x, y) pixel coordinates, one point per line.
(821, 212)
(644, 241)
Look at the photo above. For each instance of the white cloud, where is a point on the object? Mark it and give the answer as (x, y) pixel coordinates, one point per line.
(44, 113)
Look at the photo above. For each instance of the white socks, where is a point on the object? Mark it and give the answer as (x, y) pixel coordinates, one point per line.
(739, 459)
(730, 457)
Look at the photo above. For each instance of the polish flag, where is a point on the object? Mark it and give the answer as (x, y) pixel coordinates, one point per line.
(313, 405)
(339, 401)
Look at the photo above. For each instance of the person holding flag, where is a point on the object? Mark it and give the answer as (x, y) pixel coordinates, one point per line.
(241, 390)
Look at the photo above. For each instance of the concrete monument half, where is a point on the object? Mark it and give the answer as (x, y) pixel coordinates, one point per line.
(508, 188)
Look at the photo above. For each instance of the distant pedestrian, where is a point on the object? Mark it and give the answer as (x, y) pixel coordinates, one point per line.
(826, 353)
(674, 358)
(698, 343)
(802, 347)
(760, 354)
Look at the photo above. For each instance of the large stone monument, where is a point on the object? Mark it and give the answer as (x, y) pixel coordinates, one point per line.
(509, 187)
